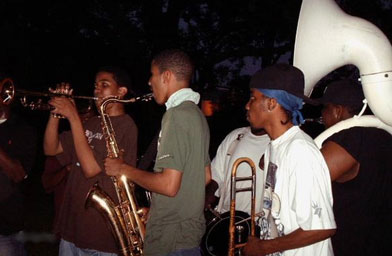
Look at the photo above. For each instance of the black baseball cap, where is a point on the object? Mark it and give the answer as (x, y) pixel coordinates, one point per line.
(345, 92)
(281, 76)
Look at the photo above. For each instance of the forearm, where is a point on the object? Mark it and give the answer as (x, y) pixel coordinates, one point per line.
(210, 199)
(296, 239)
(10, 166)
(158, 182)
(83, 150)
(208, 174)
(52, 145)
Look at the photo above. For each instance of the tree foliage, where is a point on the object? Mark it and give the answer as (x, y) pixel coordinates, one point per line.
(48, 41)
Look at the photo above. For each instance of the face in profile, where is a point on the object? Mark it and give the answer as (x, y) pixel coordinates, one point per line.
(328, 115)
(157, 85)
(256, 108)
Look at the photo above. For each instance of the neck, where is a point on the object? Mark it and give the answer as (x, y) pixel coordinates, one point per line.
(176, 87)
(275, 131)
(115, 109)
(257, 131)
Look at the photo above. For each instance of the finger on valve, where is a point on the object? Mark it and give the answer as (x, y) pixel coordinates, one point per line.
(63, 89)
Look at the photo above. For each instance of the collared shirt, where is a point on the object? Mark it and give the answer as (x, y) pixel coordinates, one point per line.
(185, 94)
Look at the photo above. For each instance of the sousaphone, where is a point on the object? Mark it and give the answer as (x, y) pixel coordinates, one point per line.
(327, 38)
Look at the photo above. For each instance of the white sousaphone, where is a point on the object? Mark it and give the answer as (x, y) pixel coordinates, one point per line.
(327, 38)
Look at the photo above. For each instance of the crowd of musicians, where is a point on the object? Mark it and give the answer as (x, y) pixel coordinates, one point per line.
(309, 201)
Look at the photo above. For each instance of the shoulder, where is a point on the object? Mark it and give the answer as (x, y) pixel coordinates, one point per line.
(300, 144)
(360, 135)
(303, 156)
(126, 124)
(183, 109)
(363, 131)
(122, 120)
(238, 132)
(187, 113)
(359, 140)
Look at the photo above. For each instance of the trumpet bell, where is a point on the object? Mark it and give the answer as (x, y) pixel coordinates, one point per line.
(7, 91)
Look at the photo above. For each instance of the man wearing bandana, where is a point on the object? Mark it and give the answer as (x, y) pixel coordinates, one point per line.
(298, 217)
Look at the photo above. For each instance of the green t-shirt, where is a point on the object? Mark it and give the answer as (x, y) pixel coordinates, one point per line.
(178, 222)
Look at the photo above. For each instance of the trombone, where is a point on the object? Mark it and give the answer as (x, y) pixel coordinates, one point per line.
(233, 227)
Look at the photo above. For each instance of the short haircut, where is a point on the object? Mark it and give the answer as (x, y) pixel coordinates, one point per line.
(177, 62)
(120, 76)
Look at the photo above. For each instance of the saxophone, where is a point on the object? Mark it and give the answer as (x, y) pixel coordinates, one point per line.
(125, 219)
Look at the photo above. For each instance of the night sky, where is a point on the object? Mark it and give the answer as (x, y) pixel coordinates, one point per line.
(46, 42)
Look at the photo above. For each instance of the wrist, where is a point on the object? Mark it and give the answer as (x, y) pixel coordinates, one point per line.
(269, 246)
(73, 117)
(131, 171)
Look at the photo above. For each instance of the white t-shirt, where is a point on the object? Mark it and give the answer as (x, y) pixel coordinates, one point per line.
(251, 146)
(303, 186)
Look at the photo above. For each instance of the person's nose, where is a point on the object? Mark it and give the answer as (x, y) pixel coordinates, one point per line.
(247, 106)
(96, 89)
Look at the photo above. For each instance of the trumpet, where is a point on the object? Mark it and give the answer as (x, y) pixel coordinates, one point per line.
(8, 93)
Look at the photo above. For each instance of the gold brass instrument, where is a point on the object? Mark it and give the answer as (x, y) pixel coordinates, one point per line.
(233, 245)
(8, 93)
(126, 218)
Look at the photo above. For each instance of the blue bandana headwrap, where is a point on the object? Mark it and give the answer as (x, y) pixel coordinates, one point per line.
(287, 101)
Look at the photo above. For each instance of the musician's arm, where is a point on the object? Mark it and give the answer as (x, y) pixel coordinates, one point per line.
(208, 174)
(12, 167)
(84, 153)
(167, 182)
(296, 239)
(52, 144)
(342, 166)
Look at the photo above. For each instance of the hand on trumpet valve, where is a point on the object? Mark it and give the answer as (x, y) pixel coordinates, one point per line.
(62, 89)
(64, 107)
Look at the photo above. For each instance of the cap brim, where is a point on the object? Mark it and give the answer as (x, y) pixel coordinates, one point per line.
(309, 100)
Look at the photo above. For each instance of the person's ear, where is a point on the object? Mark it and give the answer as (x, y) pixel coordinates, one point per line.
(271, 105)
(338, 112)
(122, 91)
(166, 76)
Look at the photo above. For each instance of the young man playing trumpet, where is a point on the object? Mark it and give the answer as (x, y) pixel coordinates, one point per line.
(84, 231)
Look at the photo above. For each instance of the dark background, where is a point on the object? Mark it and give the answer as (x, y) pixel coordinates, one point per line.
(45, 42)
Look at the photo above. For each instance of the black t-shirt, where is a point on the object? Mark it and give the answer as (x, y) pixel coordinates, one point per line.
(363, 205)
(19, 141)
